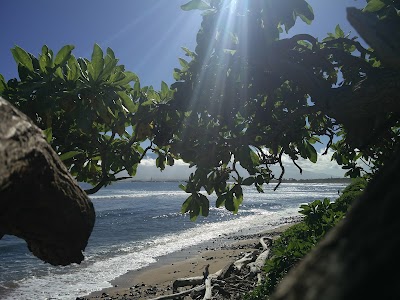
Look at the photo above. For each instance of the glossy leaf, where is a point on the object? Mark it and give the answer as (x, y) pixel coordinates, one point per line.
(186, 205)
(248, 181)
(48, 133)
(127, 102)
(339, 32)
(205, 205)
(109, 65)
(73, 69)
(3, 84)
(22, 57)
(69, 155)
(164, 90)
(127, 78)
(374, 5)
(63, 55)
(97, 62)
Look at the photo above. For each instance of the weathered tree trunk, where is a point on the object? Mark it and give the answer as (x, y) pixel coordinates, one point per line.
(40, 202)
(359, 259)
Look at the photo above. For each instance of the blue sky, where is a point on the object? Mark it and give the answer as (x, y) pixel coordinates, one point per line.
(146, 35)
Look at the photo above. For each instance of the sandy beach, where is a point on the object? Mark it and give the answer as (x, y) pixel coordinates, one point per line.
(157, 279)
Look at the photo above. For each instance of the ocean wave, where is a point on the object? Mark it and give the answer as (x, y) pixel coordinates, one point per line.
(132, 195)
(99, 269)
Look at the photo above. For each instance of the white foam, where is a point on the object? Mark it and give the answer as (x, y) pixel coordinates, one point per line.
(93, 275)
(132, 195)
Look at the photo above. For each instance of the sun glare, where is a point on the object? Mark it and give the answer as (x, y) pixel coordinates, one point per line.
(219, 46)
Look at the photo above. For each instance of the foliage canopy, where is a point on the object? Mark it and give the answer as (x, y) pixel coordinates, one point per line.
(245, 96)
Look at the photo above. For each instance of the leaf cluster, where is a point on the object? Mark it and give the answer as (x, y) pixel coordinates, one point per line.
(244, 99)
(93, 112)
(249, 97)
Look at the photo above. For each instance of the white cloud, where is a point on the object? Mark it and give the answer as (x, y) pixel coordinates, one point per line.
(323, 168)
(147, 170)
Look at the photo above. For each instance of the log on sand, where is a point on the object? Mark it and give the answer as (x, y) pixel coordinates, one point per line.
(250, 265)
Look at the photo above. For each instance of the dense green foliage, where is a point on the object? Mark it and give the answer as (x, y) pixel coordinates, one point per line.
(244, 97)
(250, 97)
(299, 239)
(94, 113)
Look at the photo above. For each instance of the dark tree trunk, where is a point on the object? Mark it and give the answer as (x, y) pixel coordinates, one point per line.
(359, 259)
(40, 201)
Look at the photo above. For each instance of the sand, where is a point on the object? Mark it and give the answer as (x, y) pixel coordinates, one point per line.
(157, 279)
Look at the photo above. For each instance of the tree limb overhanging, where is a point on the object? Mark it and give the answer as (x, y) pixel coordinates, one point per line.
(40, 201)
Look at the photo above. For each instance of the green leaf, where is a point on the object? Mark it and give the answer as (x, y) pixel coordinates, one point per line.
(182, 187)
(248, 181)
(22, 57)
(170, 161)
(188, 52)
(254, 158)
(373, 6)
(177, 76)
(220, 200)
(229, 204)
(63, 55)
(128, 77)
(68, 155)
(238, 199)
(164, 90)
(73, 71)
(59, 73)
(48, 133)
(109, 65)
(160, 162)
(183, 63)
(97, 61)
(127, 102)
(110, 52)
(3, 84)
(195, 4)
(311, 152)
(205, 205)
(45, 60)
(305, 12)
(339, 32)
(186, 205)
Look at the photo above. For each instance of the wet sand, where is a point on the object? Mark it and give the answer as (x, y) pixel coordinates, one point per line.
(157, 279)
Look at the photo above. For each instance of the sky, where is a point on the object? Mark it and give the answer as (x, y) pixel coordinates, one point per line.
(146, 36)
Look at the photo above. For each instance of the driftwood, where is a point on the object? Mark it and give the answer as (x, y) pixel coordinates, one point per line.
(230, 282)
(40, 202)
(196, 280)
(246, 259)
(182, 282)
(256, 266)
(181, 294)
(208, 292)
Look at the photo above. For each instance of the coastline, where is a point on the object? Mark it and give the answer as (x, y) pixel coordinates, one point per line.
(157, 279)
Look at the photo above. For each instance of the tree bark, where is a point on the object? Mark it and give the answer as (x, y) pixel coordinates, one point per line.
(40, 201)
(358, 259)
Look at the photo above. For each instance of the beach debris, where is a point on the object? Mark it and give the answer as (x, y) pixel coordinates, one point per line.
(231, 282)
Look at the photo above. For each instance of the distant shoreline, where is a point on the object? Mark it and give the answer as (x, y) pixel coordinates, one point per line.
(290, 180)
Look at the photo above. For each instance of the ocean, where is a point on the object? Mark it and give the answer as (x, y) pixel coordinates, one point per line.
(139, 223)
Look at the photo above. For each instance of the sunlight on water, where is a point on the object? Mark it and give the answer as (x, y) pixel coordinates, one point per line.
(135, 229)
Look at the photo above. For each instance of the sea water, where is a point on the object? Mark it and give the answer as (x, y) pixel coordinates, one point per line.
(138, 223)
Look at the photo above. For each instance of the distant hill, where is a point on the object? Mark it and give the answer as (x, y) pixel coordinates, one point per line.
(316, 180)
